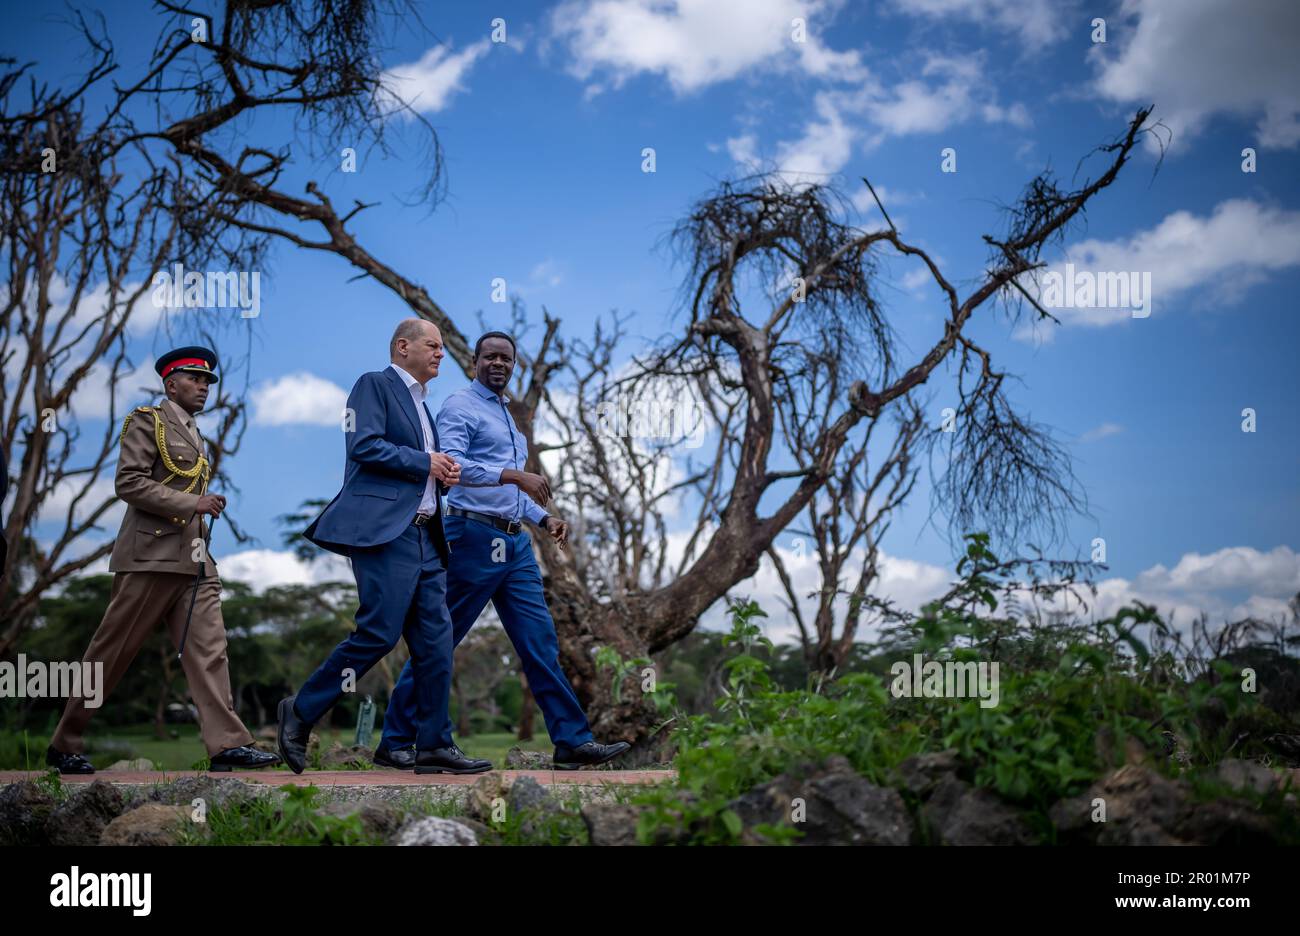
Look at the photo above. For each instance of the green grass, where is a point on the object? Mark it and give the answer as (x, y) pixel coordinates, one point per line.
(186, 750)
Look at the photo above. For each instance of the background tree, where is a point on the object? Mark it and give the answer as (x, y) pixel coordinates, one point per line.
(771, 269)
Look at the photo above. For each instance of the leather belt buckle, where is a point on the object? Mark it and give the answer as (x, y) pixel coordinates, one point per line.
(512, 527)
(422, 519)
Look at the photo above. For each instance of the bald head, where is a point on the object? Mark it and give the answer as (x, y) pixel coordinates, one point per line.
(416, 347)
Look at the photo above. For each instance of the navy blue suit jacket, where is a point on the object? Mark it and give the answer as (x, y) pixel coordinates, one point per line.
(387, 466)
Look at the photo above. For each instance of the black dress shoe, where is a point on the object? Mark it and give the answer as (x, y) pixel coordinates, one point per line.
(400, 758)
(242, 758)
(291, 735)
(68, 763)
(449, 760)
(586, 755)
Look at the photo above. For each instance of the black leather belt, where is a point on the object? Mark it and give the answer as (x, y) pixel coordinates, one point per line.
(422, 519)
(501, 523)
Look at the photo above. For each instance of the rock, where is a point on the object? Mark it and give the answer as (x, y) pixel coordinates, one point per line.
(920, 773)
(1226, 822)
(152, 824)
(339, 757)
(139, 765)
(214, 792)
(611, 823)
(529, 800)
(1141, 807)
(24, 809)
(484, 796)
(1144, 808)
(432, 830)
(1287, 745)
(1246, 775)
(527, 794)
(958, 813)
(519, 759)
(381, 819)
(479, 829)
(81, 819)
(832, 805)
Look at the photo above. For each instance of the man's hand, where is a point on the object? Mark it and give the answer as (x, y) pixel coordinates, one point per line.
(534, 485)
(444, 468)
(211, 504)
(559, 531)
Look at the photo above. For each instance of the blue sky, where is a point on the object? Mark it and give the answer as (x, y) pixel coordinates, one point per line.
(543, 137)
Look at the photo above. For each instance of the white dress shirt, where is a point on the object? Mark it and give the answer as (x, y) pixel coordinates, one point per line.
(429, 502)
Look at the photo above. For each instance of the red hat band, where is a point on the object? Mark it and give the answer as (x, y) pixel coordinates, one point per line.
(185, 362)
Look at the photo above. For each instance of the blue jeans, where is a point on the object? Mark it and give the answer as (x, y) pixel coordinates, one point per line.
(489, 565)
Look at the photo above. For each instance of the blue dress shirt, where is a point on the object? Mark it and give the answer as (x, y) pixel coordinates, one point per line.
(476, 429)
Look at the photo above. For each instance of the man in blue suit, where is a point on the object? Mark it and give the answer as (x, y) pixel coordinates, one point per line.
(388, 521)
(492, 560)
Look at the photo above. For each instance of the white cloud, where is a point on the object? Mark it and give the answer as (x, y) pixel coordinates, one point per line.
(1101, 432)
(545, 275)
(950, 90)
(1220, 256)
(265, 568)
(956, 90)
(1228, 585)
(1197, 58)
(1263, 584)
(1274, 574)
(822, 151)
(428, 85)
(298, 399)
(695, 43)
(54, 509)
(1036, 22)
(136, 386)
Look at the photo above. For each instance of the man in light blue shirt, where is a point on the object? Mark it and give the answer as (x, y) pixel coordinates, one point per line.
(492, 560)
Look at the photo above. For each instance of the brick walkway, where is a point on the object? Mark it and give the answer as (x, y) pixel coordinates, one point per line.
(397, 778)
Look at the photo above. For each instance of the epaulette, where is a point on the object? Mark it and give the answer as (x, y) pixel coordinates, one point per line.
(126, 423)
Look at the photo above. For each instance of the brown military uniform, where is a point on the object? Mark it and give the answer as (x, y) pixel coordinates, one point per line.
(155, 559)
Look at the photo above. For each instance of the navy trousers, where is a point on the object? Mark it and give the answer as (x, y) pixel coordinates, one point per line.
(489, 565)
(402, 587)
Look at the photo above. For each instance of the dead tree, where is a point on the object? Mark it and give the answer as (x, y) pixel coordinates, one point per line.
(770, 267)
(621, 586)
(92, 205)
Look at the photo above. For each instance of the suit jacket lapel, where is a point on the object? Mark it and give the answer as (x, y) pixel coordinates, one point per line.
(405, 401)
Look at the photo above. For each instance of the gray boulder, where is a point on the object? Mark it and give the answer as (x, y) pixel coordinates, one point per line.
(831, 805)
(958, 813)
(432, 830)
(24, 809)
(82, 818)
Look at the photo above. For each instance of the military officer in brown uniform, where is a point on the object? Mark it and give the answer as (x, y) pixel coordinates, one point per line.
(162, 474)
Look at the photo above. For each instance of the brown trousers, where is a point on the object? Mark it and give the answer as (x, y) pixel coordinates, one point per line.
(140, 602)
